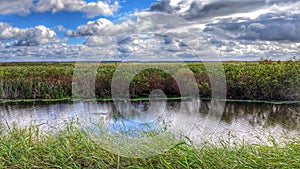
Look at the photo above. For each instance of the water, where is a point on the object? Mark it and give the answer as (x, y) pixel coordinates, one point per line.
(250, 122)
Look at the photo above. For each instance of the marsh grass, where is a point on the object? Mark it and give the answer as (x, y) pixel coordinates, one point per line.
(73, 148)
(245, 80)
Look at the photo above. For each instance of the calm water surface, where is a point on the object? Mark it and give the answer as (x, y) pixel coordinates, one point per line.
(250, 122)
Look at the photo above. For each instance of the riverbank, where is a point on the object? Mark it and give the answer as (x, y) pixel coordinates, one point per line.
(72, 148)
(63, 100)
(269, 81)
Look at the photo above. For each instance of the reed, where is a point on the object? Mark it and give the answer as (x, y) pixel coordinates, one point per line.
(72, 148)
(245, 80)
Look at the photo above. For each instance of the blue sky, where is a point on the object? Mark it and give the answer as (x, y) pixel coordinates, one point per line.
(238, 30)
(71, 20)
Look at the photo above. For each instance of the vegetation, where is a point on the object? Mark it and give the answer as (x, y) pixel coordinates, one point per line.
(265, 80)
(72, 148)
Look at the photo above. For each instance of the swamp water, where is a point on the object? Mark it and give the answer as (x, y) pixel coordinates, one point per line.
(250, 122)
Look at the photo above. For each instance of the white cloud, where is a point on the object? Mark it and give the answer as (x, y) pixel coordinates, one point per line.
(48, 52)
(60, 28)
(271, 27)
(142, 36)
(272, 32)
(193, 9)
(58, 5)
(208, 9)
(90, 28)
(27, 37)
(145, 37)
(91, 9)
(148, 36)
(272, 35)
(21, 7)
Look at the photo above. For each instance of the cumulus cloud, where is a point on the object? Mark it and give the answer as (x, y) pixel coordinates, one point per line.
(48, 52)
(272, 35)
(60, 28)
(191, 9)
(195, 9)
(21, 7)
(148, 36)
(158, 36)
(151, 36)
(90, 28)
(27, 37)
(91, 9)
(255, 50)
(280, 2)
(271, 27)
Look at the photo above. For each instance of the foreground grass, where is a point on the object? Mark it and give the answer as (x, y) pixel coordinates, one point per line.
(27, 148)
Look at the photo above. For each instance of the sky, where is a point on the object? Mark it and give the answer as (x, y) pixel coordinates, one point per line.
(190, 30)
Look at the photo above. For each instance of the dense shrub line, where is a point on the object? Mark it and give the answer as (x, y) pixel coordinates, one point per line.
(245, 80)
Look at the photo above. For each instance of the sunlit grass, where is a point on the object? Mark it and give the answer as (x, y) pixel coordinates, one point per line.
(74, 148)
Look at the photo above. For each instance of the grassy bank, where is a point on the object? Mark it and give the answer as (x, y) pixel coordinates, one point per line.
(27, 148)
(245, 80)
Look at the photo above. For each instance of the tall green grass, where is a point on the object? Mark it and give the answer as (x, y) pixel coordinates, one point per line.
(73, 148)
(245, 80)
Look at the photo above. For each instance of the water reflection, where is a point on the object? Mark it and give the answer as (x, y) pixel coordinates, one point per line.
(263, 115)
(245, 121)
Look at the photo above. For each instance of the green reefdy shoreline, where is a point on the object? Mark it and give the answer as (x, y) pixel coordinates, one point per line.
(73, 148)
(143, 99)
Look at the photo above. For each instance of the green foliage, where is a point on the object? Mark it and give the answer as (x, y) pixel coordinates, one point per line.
(264, 80)
(36, 80)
